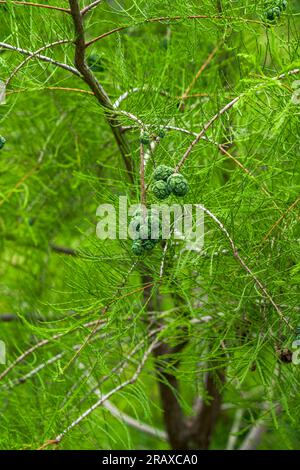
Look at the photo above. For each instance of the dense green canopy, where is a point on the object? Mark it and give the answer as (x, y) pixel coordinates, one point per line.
(169, 339)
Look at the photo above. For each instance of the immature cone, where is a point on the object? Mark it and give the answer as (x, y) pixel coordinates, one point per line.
(148, 245)
(2, 142)
(135, 226)
(161, 133)
(277, 11)
(177, 184)
(146, 231)
(160, 189)
(273, 13)
(270, 16)
(145, 138)
(151, 231)
(162, 172)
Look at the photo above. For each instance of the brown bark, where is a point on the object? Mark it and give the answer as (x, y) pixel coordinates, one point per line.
(183, 432)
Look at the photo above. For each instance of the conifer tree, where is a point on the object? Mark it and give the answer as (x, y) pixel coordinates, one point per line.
(149, 344)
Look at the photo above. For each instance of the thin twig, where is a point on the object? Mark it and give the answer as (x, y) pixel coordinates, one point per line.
(203, 131)
(31, 4)
(33, 55)
(280, 219)
(42, 343)
(63, 250)
(126, 94)
(234, 430)
(90, 7)
(142, 173)
(40, 57)
(253, 438)
(143, 427)
(200, 71)
(132, 117)
(162, 264)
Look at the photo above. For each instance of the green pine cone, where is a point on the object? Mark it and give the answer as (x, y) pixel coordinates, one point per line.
(135, 224)
(160, 189)
(148, 245)
(270, 14)
(137, 247)
(146, 226)
(161, 133)
(151, 231)
(281, 4)
(2, 142)
(178, 185)
(277, 12)
(162, 172)
(145, 138)
(144, 232)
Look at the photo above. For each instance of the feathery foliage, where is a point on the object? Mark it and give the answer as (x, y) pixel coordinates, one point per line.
(211, 331)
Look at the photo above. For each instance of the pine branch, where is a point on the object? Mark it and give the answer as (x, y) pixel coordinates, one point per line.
(253, 438)
(90, 7)
(234, 430)
(103, 398)
(31, 4)
(222, 111)
(42, 343)
(41, 57)
(63, 250)
(141, 427)
(37, 55)
(95, 86)
(200, 71)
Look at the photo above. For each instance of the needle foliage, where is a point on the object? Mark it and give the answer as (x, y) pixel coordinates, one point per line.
(98, 306)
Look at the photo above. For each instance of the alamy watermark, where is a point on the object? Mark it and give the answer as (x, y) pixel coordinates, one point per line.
(2, 352)
(179, 222)
(2, 92)
(296, 352)
(296, 93)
